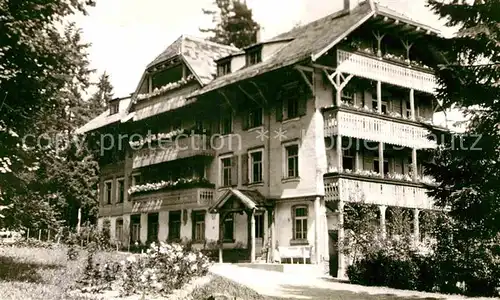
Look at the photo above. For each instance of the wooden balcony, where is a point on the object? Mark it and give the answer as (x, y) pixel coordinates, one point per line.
(379, 191)
(156, 200)
(178, 148)
(377, 128)
(375, 68)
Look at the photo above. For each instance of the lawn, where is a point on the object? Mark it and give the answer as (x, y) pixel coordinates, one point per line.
(38, 273)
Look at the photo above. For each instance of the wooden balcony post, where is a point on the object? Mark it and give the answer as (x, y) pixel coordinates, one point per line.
(341, 237)
(317, 228)
(379, 96)
(356, 157)
(252, 235)
(414, 163)
(338, 97)
(416, 225)
(338, 144)
(381, 158)
(383, 229)
(150, 84)
(412, 104)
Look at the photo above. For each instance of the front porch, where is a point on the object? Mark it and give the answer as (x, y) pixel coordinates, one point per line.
(259, 226)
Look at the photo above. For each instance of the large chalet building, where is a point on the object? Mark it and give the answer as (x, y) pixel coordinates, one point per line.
(260, 148)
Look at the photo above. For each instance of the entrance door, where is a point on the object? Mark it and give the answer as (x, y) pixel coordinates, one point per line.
(334, 252)
(259, 233)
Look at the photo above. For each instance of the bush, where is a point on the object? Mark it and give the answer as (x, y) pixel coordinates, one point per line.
(395, 264)
(381, 269)
(164, 268)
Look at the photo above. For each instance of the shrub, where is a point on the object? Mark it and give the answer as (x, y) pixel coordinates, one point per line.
(164, 268)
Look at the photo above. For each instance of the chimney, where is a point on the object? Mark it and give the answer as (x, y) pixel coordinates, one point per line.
(258, 35)
(349, 5)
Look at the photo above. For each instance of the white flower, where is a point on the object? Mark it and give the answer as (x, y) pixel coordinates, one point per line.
(131, 259)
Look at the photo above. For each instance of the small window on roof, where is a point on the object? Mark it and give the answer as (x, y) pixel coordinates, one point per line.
(224, 68)
(254, 56)
(114, 108)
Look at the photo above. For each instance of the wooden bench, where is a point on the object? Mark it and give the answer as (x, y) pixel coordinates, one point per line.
(292, 252)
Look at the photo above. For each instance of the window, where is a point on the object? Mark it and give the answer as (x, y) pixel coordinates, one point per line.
(166, 76)
(174, 225)
(300, 222)
(347, 98)
(114, 107)
(199, 225)
(347, 160)
(256, 166)
(136, 179)
(135, 224)
(108, 190)
(254, 57)
(255, 117)
(292, 108)
(119, 230)
(375, 104)
(259, 226)
(376, 166)
(229, 228)
(292, 101)
(292, 161)
(224, 68)
(120, 190)
(226, 124)
(226, 171)
(407, 110)
(153, 227)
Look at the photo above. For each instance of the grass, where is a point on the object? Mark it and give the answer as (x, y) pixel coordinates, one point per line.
(222, 285)
(38, 273)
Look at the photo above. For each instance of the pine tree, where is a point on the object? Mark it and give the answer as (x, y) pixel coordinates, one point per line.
(98, 102)
(466, 166)
(234, 24)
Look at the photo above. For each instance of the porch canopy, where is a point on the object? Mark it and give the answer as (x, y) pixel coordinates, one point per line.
(237, 201)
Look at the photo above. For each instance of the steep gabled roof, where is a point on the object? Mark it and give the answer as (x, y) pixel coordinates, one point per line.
(198, 54)
(306, 41)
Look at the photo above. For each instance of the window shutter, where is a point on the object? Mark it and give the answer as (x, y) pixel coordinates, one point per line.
(302, 105)
(244, 120)
(234, 170)
(279, 108)
(244, 169)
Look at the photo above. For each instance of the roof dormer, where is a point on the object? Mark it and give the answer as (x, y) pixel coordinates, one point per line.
(253, 55)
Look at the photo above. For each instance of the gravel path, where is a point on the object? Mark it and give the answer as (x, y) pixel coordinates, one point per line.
(294, 286)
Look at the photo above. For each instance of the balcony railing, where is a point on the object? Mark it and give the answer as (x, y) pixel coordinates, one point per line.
(377, 69)
(377, 128)
(352, 188)
(154, 201)
(178, 148)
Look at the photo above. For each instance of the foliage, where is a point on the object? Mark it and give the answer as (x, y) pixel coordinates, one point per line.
(164, 268)
(45, 71)
(466, 165)
(362, 229)
(90, 237)
(394, 264)
(234, 23)
(38, 61)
